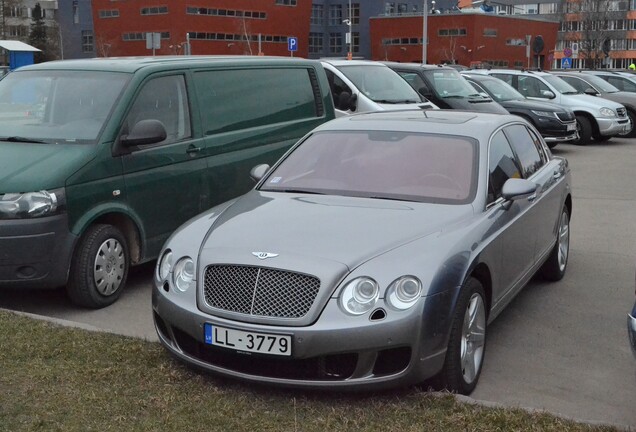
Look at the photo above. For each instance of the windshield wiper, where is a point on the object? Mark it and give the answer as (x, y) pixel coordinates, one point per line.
(21, 140)
(394, 101)
(570, 92)
(305, 191)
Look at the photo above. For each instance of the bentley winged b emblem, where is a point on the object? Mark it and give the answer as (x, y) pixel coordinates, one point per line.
(264, 255)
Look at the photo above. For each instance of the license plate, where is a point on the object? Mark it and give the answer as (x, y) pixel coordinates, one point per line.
(262, 343)
(571, 127)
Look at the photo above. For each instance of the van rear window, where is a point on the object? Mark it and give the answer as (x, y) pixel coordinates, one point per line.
(231, 100)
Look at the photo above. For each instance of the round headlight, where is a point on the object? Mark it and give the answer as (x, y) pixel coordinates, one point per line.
(359, 295)
(164, 266)
(183, 276)
(404, 292)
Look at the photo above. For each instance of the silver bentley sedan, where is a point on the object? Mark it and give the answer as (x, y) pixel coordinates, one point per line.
(372, 255)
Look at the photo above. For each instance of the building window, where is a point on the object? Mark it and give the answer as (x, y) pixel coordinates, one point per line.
(87, 41)
(402, 8)
(335, 14)
(356, 42)
(286, 2)
(548, 8)
(389, 8)
(354, 13)
(317, 14)
(109, 13)
(18, 31)
(191, 10)
(451, 32)
(335, 43)
(315, 42)
(154, 10)
(490, 32)
(236, 37)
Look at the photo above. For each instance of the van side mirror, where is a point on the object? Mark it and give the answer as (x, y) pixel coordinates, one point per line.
(258, 172)
(145, 132)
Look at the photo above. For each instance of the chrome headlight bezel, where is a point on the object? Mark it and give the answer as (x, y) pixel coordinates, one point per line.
(607, 112)
(183, 274)
(404, 292)
(164, 266)
(359, 295)
(30, 205)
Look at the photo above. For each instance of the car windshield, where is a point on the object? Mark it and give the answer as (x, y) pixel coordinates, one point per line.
(560, 85)
(600, 84)
(448, 83)
(381, 164)
(381, 84)
(57, 106)
(500, 91)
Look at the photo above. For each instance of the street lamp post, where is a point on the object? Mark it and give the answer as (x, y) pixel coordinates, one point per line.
(349, 35)
(424, 30)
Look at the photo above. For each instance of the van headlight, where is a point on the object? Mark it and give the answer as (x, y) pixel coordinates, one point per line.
(608, 112)
(404, 292)
(183, 276)
(359, 295)
(32, 204)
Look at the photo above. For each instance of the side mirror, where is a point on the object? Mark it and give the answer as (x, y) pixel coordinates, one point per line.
(145, 132)
(547, 94)
(258, 172)
(590, 91)
(515, 189)
(347, 101)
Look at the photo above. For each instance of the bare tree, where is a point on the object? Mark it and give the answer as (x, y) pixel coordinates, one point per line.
(448, 53)
(587, 23)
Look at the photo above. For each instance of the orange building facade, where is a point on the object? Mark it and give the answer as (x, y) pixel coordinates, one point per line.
(466, 39)
(230, 27)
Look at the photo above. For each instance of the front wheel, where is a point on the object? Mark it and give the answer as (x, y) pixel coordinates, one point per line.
(467, 342)
(99, 268)
(584, 128)
(554, 268)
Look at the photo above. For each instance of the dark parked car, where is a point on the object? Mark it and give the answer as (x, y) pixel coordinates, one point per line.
(624, 81)
(445, 87)
(554, 122)
(593, 85)
(372, 255)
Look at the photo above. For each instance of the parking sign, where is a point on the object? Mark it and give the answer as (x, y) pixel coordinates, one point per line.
(292, 44)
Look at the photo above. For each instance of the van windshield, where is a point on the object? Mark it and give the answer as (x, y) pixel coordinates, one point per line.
(57, 106)
(381, 84)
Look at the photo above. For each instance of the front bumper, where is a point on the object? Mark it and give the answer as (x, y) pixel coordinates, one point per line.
(336, 351)
(631, 330)
(35, 252)
(613, 126)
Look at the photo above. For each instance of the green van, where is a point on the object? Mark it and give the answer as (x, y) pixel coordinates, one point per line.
(102, 159)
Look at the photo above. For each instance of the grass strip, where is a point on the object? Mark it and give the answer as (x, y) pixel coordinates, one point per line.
(56, 378)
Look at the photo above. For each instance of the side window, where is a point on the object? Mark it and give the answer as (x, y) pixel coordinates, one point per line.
(622, 83)
(507, 78)
(525, 148)
(577, 83)
(477, 87)
(532, 87)
(415, 81)
(337, 86)
(164, 99)
(238, 99)
(501, 164)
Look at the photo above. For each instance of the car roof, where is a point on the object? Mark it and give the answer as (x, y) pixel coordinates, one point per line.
(416, 66)
(478, 77)
(508, 71)
(448, 122)
(132, 64)
(343, 62)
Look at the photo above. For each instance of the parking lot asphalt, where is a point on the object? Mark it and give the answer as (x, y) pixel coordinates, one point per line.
(560, 347)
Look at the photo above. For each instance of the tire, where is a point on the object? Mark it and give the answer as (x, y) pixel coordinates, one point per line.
(556, 265)
(99, 268)
(632, 118)
(584, 127)
(467, 342)
(603, 138)
(552, 145)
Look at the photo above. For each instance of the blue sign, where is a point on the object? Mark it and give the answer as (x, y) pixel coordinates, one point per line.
(566, 63)
(292, 44)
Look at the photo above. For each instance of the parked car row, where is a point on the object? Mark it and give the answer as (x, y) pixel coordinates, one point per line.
(374, 249)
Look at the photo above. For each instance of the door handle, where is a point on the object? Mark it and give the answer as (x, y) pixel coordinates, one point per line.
(193, 149)
(557, 174)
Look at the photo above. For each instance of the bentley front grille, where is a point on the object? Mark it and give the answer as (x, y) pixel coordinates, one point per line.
(259, 291)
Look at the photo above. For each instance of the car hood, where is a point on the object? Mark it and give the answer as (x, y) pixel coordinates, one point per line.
(624, 98)
(479, 104)
(346, 230)
(27, 167)
(527, 104)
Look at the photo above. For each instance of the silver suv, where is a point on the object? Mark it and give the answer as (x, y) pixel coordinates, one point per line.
(596, 118)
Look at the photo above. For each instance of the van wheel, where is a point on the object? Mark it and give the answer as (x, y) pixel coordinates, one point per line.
(99, 268)
(584, 128)
(467, 342)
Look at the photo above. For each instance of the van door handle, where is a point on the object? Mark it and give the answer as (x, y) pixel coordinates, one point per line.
(193, 149)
